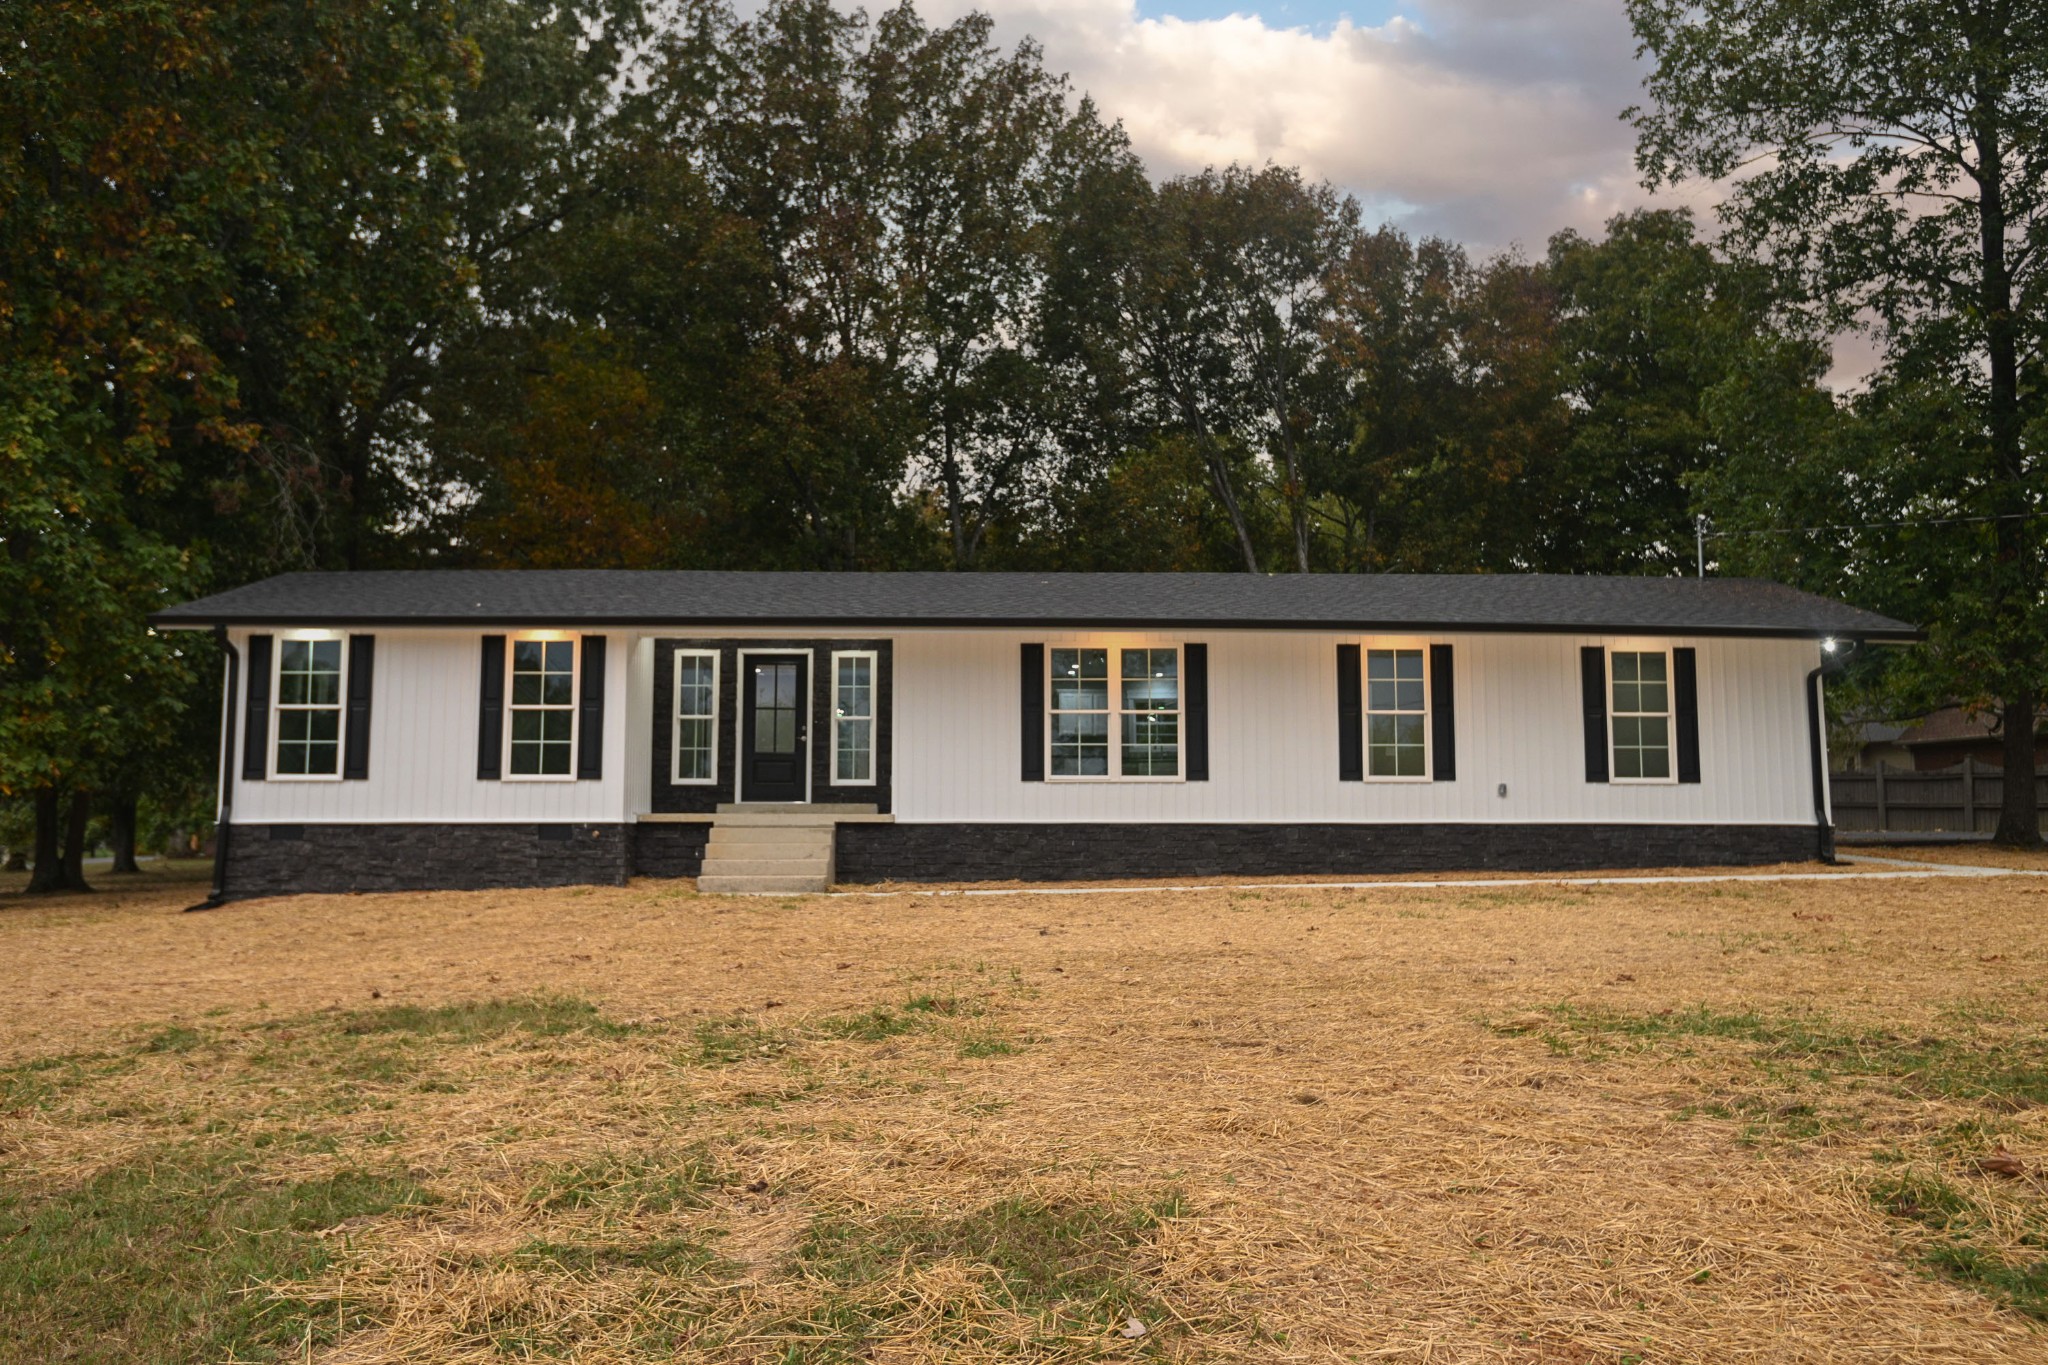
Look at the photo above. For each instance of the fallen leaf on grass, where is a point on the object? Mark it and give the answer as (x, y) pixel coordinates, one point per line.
(2001, 1162)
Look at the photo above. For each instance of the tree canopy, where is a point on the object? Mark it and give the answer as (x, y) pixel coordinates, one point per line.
(1889, 164)
(311, 283)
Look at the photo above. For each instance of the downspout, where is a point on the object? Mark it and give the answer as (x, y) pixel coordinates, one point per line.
(1824, 829)
(1824, 832)
(224, 821)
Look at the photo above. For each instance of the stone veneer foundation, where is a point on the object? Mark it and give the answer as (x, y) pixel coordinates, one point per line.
(942, 853)
(272, 860)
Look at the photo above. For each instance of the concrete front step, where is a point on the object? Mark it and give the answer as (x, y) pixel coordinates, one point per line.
(767, 867)
(717, 852)
(724, 884)
(768, 850)
(820, 835)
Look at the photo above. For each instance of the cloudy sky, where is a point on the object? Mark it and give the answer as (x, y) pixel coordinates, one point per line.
(1496, 122)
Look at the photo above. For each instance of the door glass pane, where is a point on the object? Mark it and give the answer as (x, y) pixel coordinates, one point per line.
(775, 718)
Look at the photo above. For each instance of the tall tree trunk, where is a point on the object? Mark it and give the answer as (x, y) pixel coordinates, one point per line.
(74, 842)
(956, 511)
(2015, 586)
(1297, 485)
(1219, 475)
(48, 873)
(2019, 814)
(121, 833)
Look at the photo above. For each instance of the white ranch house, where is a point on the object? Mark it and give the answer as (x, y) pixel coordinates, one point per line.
(783, 731)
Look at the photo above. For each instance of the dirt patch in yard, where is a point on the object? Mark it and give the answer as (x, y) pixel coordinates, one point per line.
(1729, 1122)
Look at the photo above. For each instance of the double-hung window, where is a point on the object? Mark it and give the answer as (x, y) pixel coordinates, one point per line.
(541, 741)
(1150, 702)
(1395, 714)
(853, 718)
(696, 719)
(1140, 706)
(309, 708)
(1641, 715)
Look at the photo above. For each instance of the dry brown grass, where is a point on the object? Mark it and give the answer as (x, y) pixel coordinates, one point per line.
(1403, 1124)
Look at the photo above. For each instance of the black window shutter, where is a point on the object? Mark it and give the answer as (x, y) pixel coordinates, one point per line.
(590, 725)
(1031, 701)
(1685, 694)
(1593, 698)
(1350, 717)
(362, 663)
(1443, 719)
(256, 718)
(490, 721)
(1194, 669)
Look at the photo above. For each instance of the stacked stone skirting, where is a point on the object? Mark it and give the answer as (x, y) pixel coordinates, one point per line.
(272, 860)
(275, 860)
(942, 853)
(665, 850)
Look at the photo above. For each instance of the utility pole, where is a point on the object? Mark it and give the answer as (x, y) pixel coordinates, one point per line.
(1699, 542)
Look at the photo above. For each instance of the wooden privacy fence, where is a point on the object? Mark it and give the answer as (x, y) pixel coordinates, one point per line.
(1960, 800)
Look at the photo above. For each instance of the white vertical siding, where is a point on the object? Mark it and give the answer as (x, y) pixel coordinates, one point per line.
(1273, 736)
(423, 737)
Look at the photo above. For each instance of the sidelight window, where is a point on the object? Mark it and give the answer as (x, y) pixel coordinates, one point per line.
(696, 718)
(853, 718)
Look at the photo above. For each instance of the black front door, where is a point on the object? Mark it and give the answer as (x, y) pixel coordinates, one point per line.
(772, 738)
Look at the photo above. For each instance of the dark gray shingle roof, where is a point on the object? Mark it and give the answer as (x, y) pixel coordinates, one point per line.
(595, 597)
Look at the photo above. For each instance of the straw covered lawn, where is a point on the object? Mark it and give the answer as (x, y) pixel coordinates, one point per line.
(1790, 1121)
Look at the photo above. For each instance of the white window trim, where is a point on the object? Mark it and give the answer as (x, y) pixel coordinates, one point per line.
(873, 717)
(1366, 713)
(742, 699)
(1116, 712)
(1670, 714)
(675, 718)
(575, 707)
(278, 707)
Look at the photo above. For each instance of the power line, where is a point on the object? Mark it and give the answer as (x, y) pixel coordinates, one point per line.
(1874, 525)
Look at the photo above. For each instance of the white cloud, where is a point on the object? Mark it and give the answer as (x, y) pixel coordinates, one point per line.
(1491, 121)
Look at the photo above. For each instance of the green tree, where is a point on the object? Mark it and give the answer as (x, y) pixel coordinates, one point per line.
(1677, 364)
(1453, 407)
(1890, 159)
(1202, 311)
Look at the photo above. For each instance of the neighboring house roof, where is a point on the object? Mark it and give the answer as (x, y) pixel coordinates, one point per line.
(1956, 725)
(1461, 602)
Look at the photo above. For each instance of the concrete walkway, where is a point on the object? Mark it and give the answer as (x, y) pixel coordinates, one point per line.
(1894, 869)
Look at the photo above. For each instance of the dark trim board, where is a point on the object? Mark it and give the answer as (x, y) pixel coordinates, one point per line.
(1036, 853)
(284, 860)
